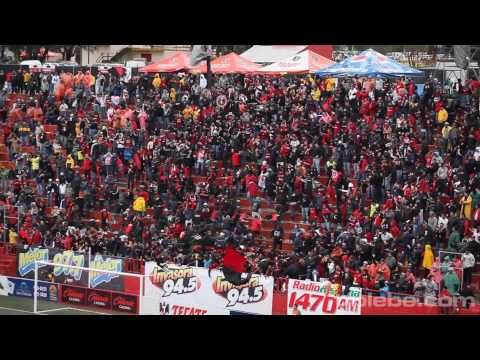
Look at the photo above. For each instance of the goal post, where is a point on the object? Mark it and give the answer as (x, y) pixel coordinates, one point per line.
(87, 289)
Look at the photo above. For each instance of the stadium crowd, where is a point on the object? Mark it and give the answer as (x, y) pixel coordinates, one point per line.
(362, 181)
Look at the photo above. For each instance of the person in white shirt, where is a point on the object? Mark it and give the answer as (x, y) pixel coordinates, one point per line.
(352, 94)
(476, 235)
(108, 160)
(442, 222)
(54, 83)
(386, 236)
(99, 84)
(63, 108)
(62, 190)
(468, 264)
(262, 180)
(294, 143)
(110, 113)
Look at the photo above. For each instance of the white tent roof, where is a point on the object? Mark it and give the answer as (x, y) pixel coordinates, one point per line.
(271, 53)
(305, 62)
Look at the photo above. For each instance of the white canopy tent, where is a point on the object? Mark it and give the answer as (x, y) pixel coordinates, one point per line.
(267, 54)
(306, 62)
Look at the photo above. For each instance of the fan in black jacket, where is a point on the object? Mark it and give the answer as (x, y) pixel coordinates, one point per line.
(277, 236)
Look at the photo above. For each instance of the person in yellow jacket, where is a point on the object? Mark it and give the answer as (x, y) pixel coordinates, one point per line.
(12, 237)
(173, 95)
(196, 114)
(70, 162)
(316, 94)
(330, 84)
(428, 258)
(187, 112)
(442, 115)
(139, 205)
(35, 160)
(26, 77)
(466, 203)
(157, 81)
(78, 129)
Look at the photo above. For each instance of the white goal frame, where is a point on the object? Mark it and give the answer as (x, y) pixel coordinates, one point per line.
(89, 269)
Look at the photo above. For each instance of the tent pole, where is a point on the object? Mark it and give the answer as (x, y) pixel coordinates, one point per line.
(209, 72)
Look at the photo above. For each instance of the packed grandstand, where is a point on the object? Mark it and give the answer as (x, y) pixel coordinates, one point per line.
(364, 185)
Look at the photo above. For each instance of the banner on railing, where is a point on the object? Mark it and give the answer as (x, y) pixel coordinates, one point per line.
(321, 298)
(106, 281)
(103, 299)
(193, 291)
(12, 286)
(26, 265)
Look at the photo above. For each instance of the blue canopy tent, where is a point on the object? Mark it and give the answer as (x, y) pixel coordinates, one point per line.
(369, 63)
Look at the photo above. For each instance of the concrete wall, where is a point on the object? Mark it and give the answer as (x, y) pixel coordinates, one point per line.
(158, 52)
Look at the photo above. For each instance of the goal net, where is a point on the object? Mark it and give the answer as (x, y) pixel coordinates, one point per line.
(61, 289)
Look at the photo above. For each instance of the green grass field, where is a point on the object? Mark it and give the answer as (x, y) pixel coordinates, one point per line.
(11, 305)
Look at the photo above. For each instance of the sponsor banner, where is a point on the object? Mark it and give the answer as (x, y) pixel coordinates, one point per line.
(66, 275)
(165, 307)
(255, 297)
(6, 286)
(125, 303)
(103, 299)
(26, 261)
(10, 286)
(58, 274)
(99, 298)
(321, 298)
(195, 288)
(74, 295)
(106, 281)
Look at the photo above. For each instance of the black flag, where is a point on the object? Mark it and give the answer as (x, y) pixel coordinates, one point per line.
(200, 53)
(462, 55)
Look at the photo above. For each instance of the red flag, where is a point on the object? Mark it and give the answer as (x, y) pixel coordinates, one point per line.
(137, 161)
(233, 260)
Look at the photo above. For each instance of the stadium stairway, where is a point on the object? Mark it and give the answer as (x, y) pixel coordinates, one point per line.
(8, 261)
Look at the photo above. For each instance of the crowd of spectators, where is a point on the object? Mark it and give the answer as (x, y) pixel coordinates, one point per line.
(361, 181)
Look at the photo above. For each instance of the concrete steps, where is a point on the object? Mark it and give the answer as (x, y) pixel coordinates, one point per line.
(8, 265)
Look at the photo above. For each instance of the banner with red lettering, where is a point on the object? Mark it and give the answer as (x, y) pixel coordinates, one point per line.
(195, 291)
(322, 298)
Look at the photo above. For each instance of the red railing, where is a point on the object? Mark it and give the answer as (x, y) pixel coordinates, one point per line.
(7, 249)
(134, 266)
(280, 285)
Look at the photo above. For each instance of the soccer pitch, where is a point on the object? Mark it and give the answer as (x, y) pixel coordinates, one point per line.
(11, 305)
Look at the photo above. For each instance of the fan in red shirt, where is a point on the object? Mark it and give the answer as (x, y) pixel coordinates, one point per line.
(235, 159)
